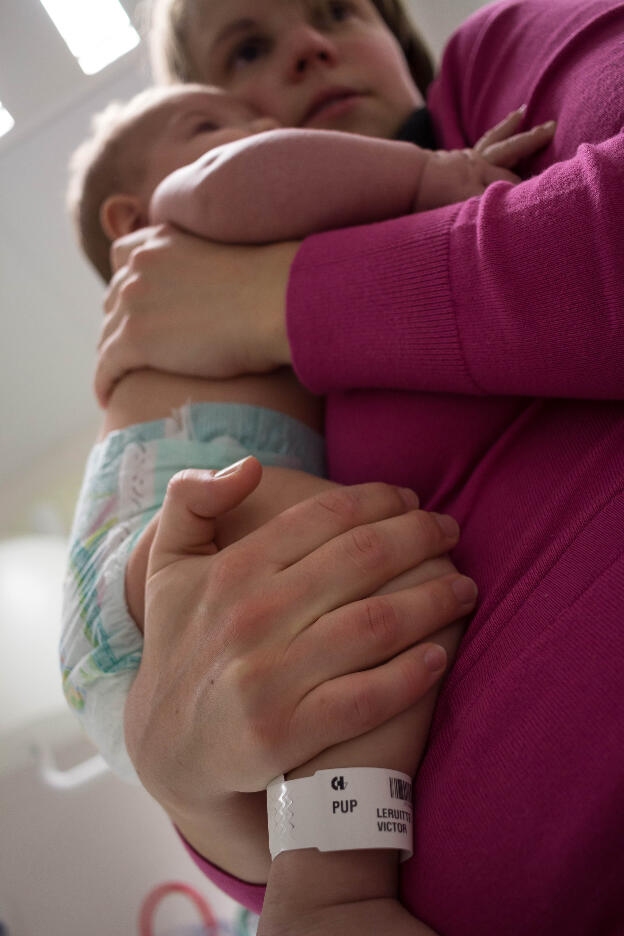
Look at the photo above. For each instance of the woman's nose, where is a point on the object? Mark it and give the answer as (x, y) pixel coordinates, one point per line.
(307, 48)
(261, 124)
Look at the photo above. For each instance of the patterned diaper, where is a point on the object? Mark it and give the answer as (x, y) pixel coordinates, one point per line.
(124, 485)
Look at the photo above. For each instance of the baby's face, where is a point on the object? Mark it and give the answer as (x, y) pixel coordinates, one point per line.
(182, 128)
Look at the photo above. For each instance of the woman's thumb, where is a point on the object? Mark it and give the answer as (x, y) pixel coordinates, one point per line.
(194, 498)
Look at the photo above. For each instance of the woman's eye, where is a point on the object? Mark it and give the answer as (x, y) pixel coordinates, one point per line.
(340, 10)
(248, 51)
(206, 126)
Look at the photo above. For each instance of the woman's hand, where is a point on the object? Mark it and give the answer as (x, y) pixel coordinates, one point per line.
(399, 743)
(181, 304)
(236, 684)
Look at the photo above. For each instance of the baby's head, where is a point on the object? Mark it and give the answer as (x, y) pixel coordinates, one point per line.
(134, 146)
(280, 55)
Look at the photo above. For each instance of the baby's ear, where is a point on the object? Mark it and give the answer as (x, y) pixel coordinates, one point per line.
(121, 214)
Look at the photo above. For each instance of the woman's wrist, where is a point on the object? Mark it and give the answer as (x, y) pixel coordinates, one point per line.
(232, 834)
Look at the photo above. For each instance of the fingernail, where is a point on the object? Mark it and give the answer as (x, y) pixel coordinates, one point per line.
(409, 497)
(448, 525)
(231, 469)
(465, 590)
(521, 109)
(435, 658)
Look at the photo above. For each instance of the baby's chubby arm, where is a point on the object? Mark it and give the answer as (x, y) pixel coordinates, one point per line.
(287, 184)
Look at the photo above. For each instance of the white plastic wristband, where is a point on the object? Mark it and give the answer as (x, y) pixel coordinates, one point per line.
(342, 809)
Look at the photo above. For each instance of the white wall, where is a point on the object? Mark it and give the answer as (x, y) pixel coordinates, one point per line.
(439, 19)
(81, 862)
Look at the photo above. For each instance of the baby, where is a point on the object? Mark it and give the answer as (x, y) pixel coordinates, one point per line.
(197, 158)
(285, 185)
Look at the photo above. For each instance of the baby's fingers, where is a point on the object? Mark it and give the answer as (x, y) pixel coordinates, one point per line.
(508, 152)
(507, 126)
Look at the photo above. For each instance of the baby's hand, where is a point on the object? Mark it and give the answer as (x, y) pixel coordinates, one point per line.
(501, 146)
(455, 175)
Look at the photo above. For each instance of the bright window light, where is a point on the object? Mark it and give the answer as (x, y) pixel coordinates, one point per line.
(6, 121)
(96, 31)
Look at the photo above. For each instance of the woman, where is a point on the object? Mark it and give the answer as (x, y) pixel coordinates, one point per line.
(490, 331)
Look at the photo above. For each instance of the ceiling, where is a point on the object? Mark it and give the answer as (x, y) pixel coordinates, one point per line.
(50, 300)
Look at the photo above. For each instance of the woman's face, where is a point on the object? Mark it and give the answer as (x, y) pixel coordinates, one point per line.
(322, 64)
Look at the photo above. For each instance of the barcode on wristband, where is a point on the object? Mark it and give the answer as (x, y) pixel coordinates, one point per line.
(400, 789)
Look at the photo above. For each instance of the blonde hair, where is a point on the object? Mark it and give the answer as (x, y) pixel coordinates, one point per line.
(103, 165)
(171, 61)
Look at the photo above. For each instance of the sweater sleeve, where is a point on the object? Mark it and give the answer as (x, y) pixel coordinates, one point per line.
(518, 292)
(250, 896)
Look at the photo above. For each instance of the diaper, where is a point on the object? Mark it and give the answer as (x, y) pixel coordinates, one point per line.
(124, 486)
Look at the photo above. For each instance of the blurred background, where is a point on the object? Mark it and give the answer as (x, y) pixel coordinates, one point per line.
(79, 850)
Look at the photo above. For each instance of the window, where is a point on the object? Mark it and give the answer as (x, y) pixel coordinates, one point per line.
(96, 32)
(6, 121)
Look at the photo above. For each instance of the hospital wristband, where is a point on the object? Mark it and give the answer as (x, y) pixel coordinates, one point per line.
(342, 809)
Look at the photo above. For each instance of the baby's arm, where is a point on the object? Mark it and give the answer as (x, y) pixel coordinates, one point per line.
(287, 184)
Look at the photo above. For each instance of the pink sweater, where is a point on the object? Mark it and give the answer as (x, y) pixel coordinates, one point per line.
(476, 353)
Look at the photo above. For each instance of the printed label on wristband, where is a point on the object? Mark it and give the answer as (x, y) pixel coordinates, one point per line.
(340, 810)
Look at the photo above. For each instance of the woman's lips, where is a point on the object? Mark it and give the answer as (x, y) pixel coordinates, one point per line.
(334, 107)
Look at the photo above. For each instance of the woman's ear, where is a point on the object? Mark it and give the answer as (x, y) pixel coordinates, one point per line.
(121, 214)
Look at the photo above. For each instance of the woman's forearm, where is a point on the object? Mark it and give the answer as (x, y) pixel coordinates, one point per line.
(233, 836)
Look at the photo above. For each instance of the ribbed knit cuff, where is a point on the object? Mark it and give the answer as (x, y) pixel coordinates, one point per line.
(371, 307)
(248, 895)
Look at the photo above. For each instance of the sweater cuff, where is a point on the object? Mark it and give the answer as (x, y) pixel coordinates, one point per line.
(371, 307)
(250, 896)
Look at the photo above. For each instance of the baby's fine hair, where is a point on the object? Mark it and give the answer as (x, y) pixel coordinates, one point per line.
(103, 165)
(170, 59)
